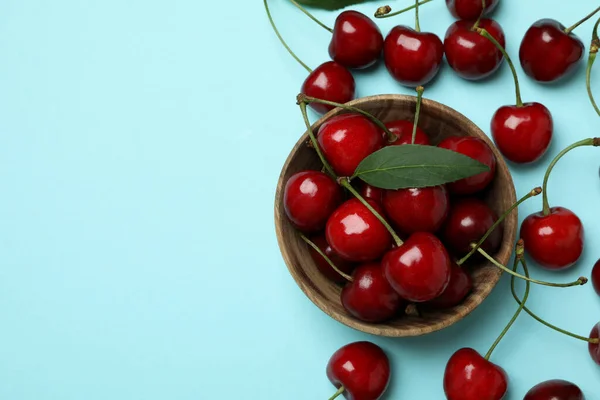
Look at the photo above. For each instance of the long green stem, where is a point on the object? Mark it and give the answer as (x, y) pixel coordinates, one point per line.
(590, 15)
(478, 21)
(585, 142)
(331, 264)
(385, 11)
(595, 45)
(417, 24)
(314, 141)
(338, 393)
(420, 90)
(283, 41)
(529, 195)
(309, 15)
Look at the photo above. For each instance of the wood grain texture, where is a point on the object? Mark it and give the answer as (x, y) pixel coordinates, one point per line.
(438, 121)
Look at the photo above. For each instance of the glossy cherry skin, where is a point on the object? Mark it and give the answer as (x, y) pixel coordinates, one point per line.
(547, 53)
(469, 376)
(412, 58)
(458, 288)
(470, 9)
(370, 192)
(329, 81)
(594, 348)
(356, 42)
(469, 219)
(369, 297)
(362, 368)
(471, 55)
(346, 140)
(522, 134)
(356, 234)
(417, 210)
(419, 270)
(554, 241)
(403, 130)
(555, 389)
(309, 198)
(596, 277)
(323, 266)
(478, 150)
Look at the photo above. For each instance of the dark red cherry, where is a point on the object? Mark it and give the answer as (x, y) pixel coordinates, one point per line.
(469, 219)
(458, 288)
(412, 58)
(522, 134)
(417, 210)
(347, 139)
(548, 53)
(478, 150)
(356, 234)
(370, 192)
(555, 389)
(594, 348)
(403, 130)
(309, 198)
(323, 266)
(419, 270)
(329, 81)
(357, 40)
(362, 368)
(471, 55)
(554, 241)
(469, 376)
(470, 9)
(596, 277)
(369, 297)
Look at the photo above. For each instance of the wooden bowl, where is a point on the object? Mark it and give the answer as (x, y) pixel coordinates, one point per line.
(438, 121)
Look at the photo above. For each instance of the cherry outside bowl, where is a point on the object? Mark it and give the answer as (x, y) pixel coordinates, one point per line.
(438, 121)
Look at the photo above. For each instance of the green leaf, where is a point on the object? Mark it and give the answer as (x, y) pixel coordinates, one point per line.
(330, 4)
(414, 166)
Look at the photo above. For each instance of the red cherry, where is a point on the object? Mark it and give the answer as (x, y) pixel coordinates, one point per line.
(469, 9)
(596, 277)
(471, 55)
(329, 81)
(362, 368)
(309, 198)
(417, 210)
(469, 219)
(458, 288)
(594, 348)
(403, 130)
(419, 270)
(323, 266)
(412, 58)
(522, 134)
(370, 192)
(347, 139)
(554, 241)
(469, 376)
(478, 150)
(369, 297)
(548, 53)
(357, 40)
(555, 389)
(356, 234)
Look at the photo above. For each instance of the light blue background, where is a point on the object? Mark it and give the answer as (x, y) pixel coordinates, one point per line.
(140, 146)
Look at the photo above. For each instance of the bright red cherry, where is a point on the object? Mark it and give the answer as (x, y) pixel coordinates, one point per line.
(370, 192)
(417, 210)
(356, 234)
(469, 219)
(471, 55)
(329, 81)
(419, 270)
(412, 58)
(548, 52)
(362, 369)
(470, 9)
(596, 277)
(369, 297)
(309, 198)
(323, 266)
(458, 288)
(594, 348)
(478, 150)
(357, 40)
(522, 133)
(403, 130)
(469, 376)
(347, 139)
(554, 241)
(555, 389)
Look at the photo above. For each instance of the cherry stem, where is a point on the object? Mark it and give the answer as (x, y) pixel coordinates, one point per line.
(588, 72)
(338, 393)
(309, 15)
(385, 11)
(331, 264)
(487, 35)
(518, 258)
(302, 98)
(283, 41)
(420, 90)
(417, 24)
(585, 142)
(314, 141)
(590, 15)
(478, 21)
(529, 195)
(345, 182)
(581, 281)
